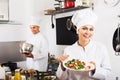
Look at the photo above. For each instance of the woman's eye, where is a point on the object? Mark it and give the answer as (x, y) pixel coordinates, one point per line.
(84, 28)
(91, 29)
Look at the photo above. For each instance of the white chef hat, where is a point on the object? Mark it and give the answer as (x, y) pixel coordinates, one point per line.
(84, 17)
(34, 21)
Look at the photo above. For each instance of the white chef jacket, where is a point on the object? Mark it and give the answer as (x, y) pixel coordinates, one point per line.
(40, 53)
(94, 51)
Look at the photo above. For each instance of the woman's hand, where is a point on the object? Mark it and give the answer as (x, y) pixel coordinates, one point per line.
(92, 62)
(61, 59)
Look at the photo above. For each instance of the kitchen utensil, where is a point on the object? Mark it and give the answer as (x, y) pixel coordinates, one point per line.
(70, 26)
(2, 73)
(50, 78)
(27, 48)
(116, 40)
(69, 3)
(6, 68)
(59, 4)
(9, 65)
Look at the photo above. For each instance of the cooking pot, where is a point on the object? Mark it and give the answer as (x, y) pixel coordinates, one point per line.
(69, 3)
(6, 68)
(9, 66)
(27, 48)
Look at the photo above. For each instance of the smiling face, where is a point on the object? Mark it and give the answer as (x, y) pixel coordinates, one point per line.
(85, 33)
(34, 29)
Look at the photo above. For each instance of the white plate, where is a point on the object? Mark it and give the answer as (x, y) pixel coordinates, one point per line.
(87, 64)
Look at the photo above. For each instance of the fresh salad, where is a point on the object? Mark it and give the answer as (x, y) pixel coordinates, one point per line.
(76, 64)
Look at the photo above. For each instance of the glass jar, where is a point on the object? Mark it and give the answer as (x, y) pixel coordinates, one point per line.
(8, 75)
(17, 75)
(85, 2)
(78, 3)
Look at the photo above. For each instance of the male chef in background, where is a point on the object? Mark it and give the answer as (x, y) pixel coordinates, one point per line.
(38, 58)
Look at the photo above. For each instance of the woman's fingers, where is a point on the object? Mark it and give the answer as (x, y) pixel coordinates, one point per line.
(92, 62)
(62, 58)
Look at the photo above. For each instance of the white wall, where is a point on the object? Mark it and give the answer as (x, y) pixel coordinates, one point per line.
(21, 10)
(15, 31)
(107, 24)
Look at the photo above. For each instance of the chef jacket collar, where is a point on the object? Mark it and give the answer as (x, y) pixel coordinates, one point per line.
(87, 46)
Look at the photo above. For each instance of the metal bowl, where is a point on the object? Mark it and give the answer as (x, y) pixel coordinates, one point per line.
(27, 48)
(50, 77)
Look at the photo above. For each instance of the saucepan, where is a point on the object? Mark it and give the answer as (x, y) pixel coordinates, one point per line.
(69, 3)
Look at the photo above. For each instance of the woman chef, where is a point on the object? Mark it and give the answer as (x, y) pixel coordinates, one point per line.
(85, 50)
(38, 58)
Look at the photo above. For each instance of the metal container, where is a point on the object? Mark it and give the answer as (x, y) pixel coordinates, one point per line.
(27, 48)
(69, 3)
(50, 78)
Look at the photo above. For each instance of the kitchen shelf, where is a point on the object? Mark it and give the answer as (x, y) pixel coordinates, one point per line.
(63, 10)
(10, 23)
